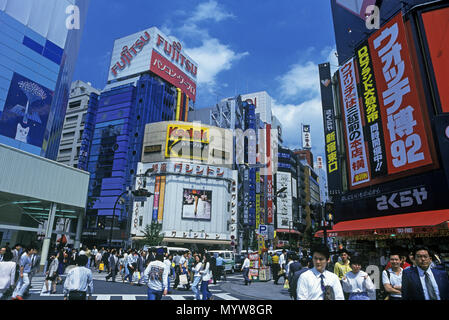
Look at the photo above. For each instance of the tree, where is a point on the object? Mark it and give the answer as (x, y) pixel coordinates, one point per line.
(152, 234)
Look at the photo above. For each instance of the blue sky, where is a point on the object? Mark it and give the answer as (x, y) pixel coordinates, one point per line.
(240, 46)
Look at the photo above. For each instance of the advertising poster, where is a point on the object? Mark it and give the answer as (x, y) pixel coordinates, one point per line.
(406, 141)
(332, 162)
(26, 111)
(160, 215)
(373, 121)
(196, 204)
(357, 157)
(187, 142)
(156, 198)
(437, 35)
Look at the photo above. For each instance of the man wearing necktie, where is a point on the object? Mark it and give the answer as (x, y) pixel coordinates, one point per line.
(423, 282)
(315, 284)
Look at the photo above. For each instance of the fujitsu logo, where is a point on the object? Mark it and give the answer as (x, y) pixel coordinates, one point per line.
(129, 53)
(173, 51)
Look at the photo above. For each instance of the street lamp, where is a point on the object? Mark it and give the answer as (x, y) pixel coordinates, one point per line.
(141, 192)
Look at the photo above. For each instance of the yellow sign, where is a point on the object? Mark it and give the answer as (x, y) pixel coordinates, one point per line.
(187, 142)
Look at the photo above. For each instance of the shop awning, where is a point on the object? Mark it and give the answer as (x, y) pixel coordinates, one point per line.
(287, 231)
(410, 223)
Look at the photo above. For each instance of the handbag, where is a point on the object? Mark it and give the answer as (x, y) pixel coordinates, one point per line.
(101, 267)
(183, 279)
(286, 285)
(329, 293)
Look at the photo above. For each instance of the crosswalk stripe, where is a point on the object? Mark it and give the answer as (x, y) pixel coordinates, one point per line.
(177, 297)
(103, 297)
(128, 297)
(226, 296)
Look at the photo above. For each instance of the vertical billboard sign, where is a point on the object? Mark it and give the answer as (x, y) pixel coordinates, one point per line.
(269, 176)
(373, 122)
(160, 215)
(156, 199)
(330, 132)
(406, 141)
(257, 199)
(437, 35)
(306, 140)
(356, 151)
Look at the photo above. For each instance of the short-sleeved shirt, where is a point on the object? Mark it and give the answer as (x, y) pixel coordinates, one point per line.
(25, 262)
(395, 280)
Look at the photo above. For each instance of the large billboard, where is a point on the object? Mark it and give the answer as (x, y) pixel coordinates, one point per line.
(406, 142)
(151, 50)
(187, 142)
(284, 199)
(358, 169)
(437, 35)
(196, 204)
(26, 111)
(386, 125)
(333, 166)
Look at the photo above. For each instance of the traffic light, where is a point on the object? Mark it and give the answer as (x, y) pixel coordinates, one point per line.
(329, 211)
(141, 193)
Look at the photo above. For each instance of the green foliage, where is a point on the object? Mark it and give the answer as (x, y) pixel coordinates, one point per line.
(152, 235)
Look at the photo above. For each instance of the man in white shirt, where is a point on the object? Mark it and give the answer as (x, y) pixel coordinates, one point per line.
(314, 283)
(79, 281)
(156, 276)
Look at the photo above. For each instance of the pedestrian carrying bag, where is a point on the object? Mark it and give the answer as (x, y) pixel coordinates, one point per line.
(183, 279)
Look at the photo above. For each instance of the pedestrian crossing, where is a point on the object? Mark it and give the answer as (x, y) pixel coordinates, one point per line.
(38, 288)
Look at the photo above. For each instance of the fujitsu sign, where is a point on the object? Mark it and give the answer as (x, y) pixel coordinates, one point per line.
(133, 55)
(128, 54)
(173, 51)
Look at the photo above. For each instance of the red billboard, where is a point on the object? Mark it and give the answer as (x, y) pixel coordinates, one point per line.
(169, 72)
(406, 143)
(436, 25)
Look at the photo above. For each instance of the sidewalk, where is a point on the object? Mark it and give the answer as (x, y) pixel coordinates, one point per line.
(257, 290)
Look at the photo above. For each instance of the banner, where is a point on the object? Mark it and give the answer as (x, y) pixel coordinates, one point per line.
(405, 135)
(373, 121)
(306, 139)
(161, 200)
(187, 142)
(357, 158)
(332, 162)
(156, 199)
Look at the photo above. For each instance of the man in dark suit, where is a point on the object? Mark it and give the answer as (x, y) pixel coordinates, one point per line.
(113, 265)
(422, 282)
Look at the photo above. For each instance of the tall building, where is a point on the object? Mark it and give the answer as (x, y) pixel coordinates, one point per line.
(41, 200)
(38, 53)
(151, 79)
(82, 97)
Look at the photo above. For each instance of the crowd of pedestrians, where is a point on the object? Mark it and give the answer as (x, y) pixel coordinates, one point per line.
(73, 268)
(317, 275)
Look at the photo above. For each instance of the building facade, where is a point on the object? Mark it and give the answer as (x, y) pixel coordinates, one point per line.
(37, 59)
(82, 96)
(138, 92)
(192, 182)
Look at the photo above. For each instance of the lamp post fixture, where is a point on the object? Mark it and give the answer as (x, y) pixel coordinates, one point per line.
(141, 192)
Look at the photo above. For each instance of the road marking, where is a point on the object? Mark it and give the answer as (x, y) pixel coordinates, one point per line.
(177, 297)
(103, 297)
(226, 296)
(129, 297)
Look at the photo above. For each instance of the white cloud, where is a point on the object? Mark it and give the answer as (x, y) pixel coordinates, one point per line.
(302, 80)
(210, 10)
(292, 116)
(302, 84)
(213, 57)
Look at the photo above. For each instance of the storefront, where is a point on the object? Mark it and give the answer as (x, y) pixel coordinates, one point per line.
(374, 237)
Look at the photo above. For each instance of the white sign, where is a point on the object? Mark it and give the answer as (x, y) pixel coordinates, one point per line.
(306, 138)
(263, 231)
(132, 55)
